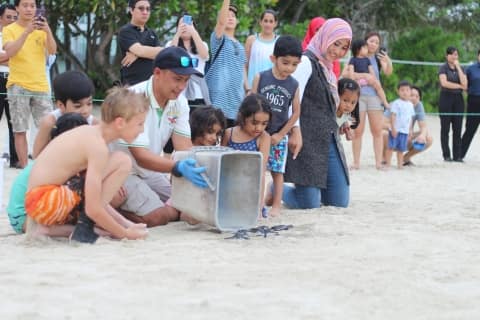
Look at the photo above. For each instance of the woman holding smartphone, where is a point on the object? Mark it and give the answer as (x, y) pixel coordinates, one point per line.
(188, 38)
(370, 103)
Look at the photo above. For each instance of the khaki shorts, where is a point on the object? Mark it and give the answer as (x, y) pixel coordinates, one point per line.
(24, 103)
(368, 103)
(145, 195)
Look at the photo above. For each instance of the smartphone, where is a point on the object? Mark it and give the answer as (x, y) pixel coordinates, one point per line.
(383, 50)
(40, 13)
(187, 19)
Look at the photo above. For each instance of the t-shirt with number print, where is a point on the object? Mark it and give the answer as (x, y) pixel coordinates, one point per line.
(280, 94)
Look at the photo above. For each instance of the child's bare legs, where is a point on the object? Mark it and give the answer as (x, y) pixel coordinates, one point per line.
(277, 194)
(118, 168)
(35, 230)
(399, 159)
(122, 220)
(380, 92)
(388, 157)
(357, 141)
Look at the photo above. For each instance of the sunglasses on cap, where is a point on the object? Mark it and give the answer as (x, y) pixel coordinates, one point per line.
(350, 85)
(188, 62)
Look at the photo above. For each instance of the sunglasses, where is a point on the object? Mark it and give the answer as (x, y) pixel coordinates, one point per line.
(350, 85)
(142, 8)
(188, 62)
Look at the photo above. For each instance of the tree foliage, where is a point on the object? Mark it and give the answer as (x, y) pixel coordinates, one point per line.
(416, 30)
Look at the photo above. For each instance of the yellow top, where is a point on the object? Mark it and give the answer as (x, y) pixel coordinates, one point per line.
(27, 67)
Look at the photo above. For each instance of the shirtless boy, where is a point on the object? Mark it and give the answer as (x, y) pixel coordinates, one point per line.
(76, 170)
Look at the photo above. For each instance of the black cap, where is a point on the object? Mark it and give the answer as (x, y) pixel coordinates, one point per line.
(170, 59)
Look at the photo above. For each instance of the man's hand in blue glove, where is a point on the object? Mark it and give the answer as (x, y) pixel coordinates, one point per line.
(188, 169)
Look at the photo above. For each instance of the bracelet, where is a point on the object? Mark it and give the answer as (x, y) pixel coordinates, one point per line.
(175, 170)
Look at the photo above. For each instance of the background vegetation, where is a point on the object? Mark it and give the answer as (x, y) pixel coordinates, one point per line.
(413, 30)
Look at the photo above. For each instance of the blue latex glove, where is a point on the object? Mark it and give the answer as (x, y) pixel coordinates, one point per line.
(191, 172)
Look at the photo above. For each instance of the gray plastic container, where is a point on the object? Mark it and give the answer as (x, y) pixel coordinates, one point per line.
(233, 200)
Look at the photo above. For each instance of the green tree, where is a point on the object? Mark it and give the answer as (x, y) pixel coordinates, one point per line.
(426, 44)
(97, 21)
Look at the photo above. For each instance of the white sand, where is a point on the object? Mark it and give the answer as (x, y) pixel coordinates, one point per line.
(406, 248)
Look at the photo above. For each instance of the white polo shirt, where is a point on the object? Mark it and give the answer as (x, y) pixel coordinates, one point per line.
(159, 125)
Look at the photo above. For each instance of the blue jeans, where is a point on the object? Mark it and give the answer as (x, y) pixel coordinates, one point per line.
(336, 194)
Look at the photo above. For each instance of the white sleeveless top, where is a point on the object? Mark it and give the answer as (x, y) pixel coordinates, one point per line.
(57, 114)
(260, 57)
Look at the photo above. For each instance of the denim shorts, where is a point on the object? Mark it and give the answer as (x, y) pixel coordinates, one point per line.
(399, 143)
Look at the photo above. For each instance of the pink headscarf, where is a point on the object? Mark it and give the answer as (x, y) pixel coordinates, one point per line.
(332, 30)
(315, 24)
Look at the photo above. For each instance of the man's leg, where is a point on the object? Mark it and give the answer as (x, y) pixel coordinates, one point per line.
(19, 100)
(473, 106)
(143, 204)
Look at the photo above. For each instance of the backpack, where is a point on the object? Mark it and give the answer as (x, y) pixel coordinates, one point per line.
(210, 62)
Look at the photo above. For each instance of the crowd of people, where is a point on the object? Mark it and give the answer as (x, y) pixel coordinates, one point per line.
(275, 95)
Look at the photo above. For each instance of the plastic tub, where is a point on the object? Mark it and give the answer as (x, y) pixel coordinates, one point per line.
(233, 200)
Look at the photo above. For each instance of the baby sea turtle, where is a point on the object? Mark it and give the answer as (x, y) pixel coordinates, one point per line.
(240, 234)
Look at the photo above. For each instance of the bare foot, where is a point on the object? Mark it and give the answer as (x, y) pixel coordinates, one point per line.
(274, 212)
(382, 168)
(188, 219)
(355, 167)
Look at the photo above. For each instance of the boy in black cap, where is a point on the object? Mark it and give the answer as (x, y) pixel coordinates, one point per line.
(149, 187)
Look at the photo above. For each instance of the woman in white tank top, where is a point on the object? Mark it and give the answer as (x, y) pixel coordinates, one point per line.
(259, 46)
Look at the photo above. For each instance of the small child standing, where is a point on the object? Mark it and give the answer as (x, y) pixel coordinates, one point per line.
(360, 63)
(281, 90)
(348, 111)
(401, 115)
(207, 126)
(73, 92)
(249, 134)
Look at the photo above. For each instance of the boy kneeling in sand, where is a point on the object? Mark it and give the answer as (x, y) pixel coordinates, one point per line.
(76, 170)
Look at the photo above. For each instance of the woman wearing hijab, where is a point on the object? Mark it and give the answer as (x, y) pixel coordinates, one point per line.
(319, 171)
(315, 24)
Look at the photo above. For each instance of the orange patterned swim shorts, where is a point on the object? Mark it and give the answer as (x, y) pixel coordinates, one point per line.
(54, 204)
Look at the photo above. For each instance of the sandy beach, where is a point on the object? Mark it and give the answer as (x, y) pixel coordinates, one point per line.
(406, 248)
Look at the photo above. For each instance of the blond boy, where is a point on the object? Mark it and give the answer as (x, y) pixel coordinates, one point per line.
(76, 170)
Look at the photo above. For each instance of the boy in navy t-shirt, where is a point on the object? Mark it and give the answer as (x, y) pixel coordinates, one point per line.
(281, 90)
